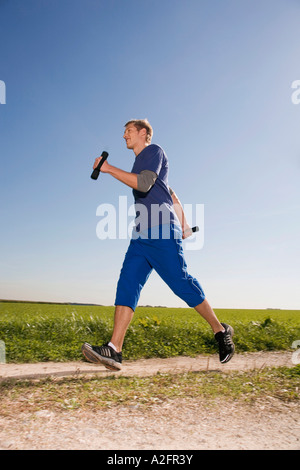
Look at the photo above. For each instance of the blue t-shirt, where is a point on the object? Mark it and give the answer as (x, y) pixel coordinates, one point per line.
(154, 208)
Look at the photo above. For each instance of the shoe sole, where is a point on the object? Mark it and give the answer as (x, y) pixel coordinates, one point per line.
(95, 358)
(229, 356)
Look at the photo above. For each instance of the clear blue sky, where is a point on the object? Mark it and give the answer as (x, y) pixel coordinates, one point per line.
(213, 78)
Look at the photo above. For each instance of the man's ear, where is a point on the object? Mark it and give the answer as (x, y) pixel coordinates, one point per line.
(143, 132)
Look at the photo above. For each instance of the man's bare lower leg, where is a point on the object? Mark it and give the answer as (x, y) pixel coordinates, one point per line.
(123, 317)
(209, 315)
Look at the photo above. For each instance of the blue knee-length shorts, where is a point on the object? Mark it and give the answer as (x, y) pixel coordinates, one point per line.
(166, 257)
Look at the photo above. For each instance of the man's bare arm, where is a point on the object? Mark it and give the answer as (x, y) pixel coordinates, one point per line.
(143, 181)
(186, 229)
(130, 179)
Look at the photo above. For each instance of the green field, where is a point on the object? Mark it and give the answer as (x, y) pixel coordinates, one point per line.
(35, 332)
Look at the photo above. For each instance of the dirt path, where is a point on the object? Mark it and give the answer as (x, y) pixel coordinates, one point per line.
(190, 424)
(147, 367)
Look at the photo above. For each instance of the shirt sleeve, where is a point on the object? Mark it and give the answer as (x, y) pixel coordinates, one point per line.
(152, 159)
(146, 180)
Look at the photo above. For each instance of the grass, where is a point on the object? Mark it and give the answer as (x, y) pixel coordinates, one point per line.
(34, 332)
(98, 393)
(41, 332)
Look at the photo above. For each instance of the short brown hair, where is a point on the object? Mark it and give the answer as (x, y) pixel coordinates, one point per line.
(142, 124)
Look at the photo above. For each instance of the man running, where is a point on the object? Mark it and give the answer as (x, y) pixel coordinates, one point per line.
(156, 244)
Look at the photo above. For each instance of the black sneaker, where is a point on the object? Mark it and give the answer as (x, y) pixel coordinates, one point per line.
(226, 345)
(104, 355)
